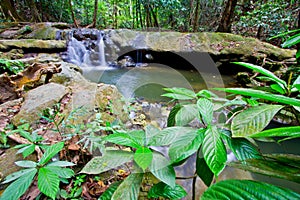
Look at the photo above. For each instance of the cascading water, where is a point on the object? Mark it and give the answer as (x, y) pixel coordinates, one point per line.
(86, 52)
(101, 51)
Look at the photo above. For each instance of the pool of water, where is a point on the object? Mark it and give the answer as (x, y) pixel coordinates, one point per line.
(147, 82)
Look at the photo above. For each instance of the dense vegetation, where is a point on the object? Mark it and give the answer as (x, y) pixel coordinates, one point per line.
(255, 18)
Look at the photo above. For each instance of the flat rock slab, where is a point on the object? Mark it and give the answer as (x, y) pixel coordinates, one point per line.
(38, 99)
(6, 45)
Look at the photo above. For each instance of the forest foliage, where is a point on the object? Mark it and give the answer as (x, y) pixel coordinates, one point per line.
(252, 18)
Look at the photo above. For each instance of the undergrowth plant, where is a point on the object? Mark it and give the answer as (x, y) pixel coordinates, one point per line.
(11, 66)
(48, 174)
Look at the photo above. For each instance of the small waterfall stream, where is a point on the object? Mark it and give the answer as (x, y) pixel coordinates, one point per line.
(87, 52)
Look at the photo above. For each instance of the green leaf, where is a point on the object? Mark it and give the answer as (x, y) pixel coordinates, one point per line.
(277, 88)
(214, 151)
(296, 83)
(295, 39)
(48, 182)
(129, 188)
(292, 131)
(61, 172)
(150, 132)
(185, 145)
(143, 157)
(168, 135)
(122, 139)
(247, 189)
(61, 164)
(110, 160)
(107, 195)
(17, 174)
(179, 93)
(206, 109)
(273, 165)
(171, 118)
(161, 169)
(262, 95)
(253, 120)
(298, 55)
(26, 163)
(186, 114)
(162, 190)
(51, 151)
(16, 189)
(264, 72)
(203, 171)
(241, 147)
(27, 150)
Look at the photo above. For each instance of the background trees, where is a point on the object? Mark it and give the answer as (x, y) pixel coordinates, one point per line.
(259, 18)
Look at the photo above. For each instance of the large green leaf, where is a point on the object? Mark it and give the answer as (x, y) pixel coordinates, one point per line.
(48, 182)
(129, 188)
(27, 150)
(287, 168)
(292, 131)
(143, 157)
(122, 139)
(17, 188)
(242, 148)
(107, 195)
(17, 174)
(150, 132)
(203, 171)
(161, 168)
(206, 109)
(179, 93)
(264, 72)
(169, 135)
(262, 95)
(296, 84)
(185, 145)
(186, 114)
(110, 160)
(50, 152)
(214, 151)
(163, 190)
(253, 120)
(247, 189)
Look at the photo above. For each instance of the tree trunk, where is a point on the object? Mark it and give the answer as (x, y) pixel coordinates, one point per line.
(196, 19)
(228, 14)
(93, 24)
(34, 11)
(72, 13)
(9, 11)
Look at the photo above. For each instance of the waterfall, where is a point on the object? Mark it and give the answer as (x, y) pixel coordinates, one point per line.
(86, 48)
(101, 51)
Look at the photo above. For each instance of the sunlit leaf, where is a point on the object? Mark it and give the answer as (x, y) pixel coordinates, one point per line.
(253, 120)
(295, 39)
(122, 139)
(110, 160)
(179, 93)
(17, 174)
(61, 164)
(143, 157)
(247, 189)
